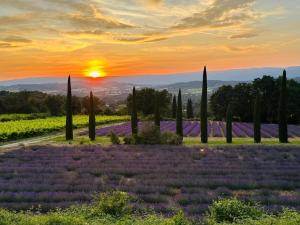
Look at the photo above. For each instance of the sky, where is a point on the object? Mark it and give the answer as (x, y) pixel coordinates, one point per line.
(136, 37)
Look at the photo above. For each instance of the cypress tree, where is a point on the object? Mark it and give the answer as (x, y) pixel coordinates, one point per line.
(157, 111)
(188, 114)
(257, 118)
(174, 107)
(134, 119)
(92, 120)
(203, 121)
(229, 124)
(283, 131)
(179, 129)
(69, 117)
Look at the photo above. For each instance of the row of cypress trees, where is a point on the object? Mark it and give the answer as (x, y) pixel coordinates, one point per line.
(283, 131)
(69, 115)
(282, 126)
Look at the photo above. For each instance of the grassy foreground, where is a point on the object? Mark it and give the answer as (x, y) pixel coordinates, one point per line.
(114, 209)
(189, 141)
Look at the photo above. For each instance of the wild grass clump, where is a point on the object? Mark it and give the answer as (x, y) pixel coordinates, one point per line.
(114, 138)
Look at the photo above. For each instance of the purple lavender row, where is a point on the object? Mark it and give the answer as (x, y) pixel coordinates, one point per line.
(215, 129)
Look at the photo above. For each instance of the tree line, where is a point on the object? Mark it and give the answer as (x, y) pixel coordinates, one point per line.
(55, 105)
(242, 98)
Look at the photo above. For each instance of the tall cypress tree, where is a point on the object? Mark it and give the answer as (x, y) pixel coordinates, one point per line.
(157, 111)
(203, 121)
(229, 124)
(257, 118)
(283, 131)
(92, 119)
(174, 107)
(191, 109)
(134, 119)
(69, 116)
(179, 129)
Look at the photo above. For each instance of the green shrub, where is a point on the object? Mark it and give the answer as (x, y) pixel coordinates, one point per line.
(170, 138)
(115, 203)
(231, 210)
(149, 135)
(114, 138)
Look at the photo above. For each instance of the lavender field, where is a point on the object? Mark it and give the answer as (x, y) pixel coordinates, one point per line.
(215, 129)
(162, 177)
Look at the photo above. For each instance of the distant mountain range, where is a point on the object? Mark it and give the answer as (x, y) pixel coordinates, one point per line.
(154, 80)
(114, 89)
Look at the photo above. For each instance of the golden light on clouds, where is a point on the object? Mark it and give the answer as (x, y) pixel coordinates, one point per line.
(130, 37)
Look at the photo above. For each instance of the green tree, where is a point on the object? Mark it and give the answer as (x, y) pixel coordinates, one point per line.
(145, 101)
(229, 124)
(220, 100)
(69, 116)
(134, 119)
(179, 128)
(92, 119)
(174, 107)
(203, 112)
(257, 118)
(283, 132)
(157, 111)
(269, 94)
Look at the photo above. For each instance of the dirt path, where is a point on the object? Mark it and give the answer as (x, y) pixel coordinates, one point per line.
(29, 141)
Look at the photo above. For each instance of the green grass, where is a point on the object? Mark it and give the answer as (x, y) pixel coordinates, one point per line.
(188, 141)
(237, 141)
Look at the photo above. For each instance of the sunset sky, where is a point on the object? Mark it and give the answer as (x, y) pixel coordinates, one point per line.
(130, 37)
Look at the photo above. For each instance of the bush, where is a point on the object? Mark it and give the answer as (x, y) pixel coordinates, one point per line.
(115, 203)
(231, 210)
(170, 138)
(150, 135)
(114, 138)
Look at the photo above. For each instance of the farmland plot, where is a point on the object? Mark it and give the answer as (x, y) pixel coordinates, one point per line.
(215, 129)
(162, 177)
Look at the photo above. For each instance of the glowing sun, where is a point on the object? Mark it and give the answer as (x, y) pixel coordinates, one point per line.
(95, 69)
(96, 74)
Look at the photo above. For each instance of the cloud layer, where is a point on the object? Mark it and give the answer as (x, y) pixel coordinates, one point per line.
(80, 21)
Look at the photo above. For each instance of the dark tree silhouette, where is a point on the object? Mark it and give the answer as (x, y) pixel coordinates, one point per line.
(229, 124)
(92, 119)
(189, 109)
(203, 118)
(174, 107)
(157, 111)
(257, 118)
(134, 119)
(69, 117)
(179, 129)
(282, 118)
